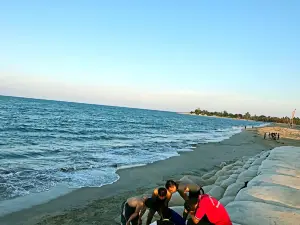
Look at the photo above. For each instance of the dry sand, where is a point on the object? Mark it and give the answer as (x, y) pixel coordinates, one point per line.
(284, 131)
(102, 205)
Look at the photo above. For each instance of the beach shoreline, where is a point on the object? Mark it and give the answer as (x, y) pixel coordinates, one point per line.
(38, 198)
(101, 205)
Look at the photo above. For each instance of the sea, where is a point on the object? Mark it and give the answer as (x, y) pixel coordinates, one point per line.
(45, 144)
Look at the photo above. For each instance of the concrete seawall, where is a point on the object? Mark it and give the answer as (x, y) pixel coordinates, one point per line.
(264, 189)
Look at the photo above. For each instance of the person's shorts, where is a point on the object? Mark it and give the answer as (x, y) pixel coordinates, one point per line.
(152, 204)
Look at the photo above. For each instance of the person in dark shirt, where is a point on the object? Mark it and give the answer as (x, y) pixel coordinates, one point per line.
(159, 200)
(186, 190)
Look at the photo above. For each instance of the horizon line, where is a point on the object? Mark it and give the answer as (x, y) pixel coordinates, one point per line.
(86, 103)
(99, 104)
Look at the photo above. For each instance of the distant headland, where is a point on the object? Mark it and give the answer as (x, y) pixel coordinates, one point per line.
(246, 116)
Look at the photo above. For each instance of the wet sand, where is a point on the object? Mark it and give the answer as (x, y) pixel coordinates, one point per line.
(102, 205)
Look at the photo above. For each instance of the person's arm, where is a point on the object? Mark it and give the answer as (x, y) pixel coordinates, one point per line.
(200, 212)
(155, 193)
(135, 214)
(195, 219)
(185, 214)
(168, 198)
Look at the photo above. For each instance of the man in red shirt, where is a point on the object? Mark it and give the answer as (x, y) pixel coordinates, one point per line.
(207, 210)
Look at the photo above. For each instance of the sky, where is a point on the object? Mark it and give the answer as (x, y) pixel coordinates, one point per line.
(237, 56)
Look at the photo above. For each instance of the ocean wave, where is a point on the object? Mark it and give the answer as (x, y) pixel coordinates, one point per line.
(5, 155)
(186, 149)
(51, 143)
(90, 178)
(121, 167)
(263, 125)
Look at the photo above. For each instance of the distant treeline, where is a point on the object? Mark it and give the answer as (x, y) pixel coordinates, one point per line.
(246, 116)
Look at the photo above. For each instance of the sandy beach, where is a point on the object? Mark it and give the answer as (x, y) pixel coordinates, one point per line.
(122, 113)
(102, 205)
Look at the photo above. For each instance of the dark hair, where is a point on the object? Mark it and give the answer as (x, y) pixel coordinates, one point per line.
(190, 205)
(170, 183)
(201, 191)
(162, 192)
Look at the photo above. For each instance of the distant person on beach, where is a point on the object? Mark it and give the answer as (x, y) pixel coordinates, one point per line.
(157, 203)
(207, 211)
(182, 188)
(278, 136)
(132, 210)
(265, 135)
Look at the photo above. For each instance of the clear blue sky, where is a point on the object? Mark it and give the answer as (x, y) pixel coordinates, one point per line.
(234, 55)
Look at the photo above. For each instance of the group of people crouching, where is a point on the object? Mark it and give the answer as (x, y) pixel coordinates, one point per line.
(202, 208)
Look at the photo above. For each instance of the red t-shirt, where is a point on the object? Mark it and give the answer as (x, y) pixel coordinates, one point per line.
(213, 209)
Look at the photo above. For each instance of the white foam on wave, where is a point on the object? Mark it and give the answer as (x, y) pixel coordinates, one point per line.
(208, 137)
(222, 134)
(90, 178)
(32, 199)
(109, 176)
(165, 156)
(78, 179)
(263, 125)
(100, 177)
(129, 166)
(186, 149)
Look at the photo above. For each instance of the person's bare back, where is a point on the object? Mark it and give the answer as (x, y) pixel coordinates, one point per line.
(133, 210)
(136, 202)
